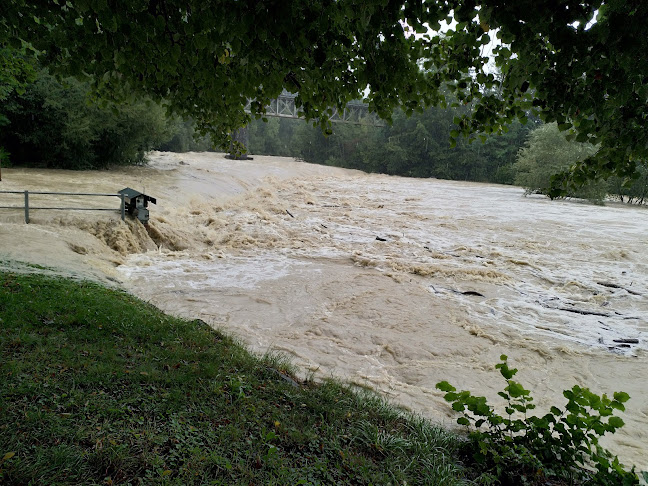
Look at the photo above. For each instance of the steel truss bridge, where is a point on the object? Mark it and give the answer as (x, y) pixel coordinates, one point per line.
(355, 112)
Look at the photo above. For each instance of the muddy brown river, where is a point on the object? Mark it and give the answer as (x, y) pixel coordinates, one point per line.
(387, 282)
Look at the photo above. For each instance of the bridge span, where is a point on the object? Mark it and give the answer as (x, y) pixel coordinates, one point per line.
(355, 112)
(284, 106)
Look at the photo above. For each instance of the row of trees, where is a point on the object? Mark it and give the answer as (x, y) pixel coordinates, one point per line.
(53, 123)
(49, 123)
(416, 146)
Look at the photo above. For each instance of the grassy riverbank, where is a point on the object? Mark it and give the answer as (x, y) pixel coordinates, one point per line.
(99, 388)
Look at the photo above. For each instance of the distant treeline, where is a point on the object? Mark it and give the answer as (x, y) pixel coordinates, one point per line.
(54, 124)
(419, 146)
(416, 146)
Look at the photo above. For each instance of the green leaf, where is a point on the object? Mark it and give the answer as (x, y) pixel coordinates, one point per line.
(175, 52)
(445, 386)
(621, 397)
(200, 41)
(582, 137)
(458, 407)
(450, 396)
(482, 409)
(506, 372)
(516, 390)
(616, 422)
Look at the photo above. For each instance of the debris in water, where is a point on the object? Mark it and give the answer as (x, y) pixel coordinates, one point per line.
(575, 310)
(615, 286)
(626, 341)
(467, 292)
(472, 292)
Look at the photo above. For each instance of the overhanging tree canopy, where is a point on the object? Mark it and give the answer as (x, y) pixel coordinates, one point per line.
(207, 57)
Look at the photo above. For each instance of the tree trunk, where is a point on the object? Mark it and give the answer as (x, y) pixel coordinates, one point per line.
(240, 136)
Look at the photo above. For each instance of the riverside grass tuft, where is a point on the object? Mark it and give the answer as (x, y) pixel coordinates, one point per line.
(99, 388)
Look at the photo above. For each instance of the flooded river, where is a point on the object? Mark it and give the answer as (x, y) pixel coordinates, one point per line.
(388, 282)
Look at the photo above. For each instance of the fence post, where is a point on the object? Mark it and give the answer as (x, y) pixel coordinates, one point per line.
(123, 208)
(27, 207)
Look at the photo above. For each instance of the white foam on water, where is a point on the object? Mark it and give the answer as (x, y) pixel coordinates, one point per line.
(191, 274)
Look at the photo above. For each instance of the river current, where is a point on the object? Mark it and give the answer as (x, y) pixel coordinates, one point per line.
(387, 282)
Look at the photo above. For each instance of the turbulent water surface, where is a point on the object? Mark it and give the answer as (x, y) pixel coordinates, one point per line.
(384, 281)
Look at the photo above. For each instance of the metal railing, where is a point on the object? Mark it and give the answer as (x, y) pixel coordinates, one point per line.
(27, 207)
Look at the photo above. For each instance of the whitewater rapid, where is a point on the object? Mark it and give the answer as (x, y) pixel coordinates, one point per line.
(387, 282)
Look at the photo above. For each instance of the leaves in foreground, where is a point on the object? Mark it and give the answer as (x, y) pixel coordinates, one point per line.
(561, 445)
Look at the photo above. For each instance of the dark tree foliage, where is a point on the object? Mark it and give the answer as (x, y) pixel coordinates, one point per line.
(208, 57)
(16, 71)
(51, 124)
(415, 146)
(182, 137)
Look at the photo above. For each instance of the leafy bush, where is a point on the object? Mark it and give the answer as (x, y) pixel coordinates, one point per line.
(548, 152)
(562, 444)
(182, 137)
(54, 124)
(4, 157)
(633, 191)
